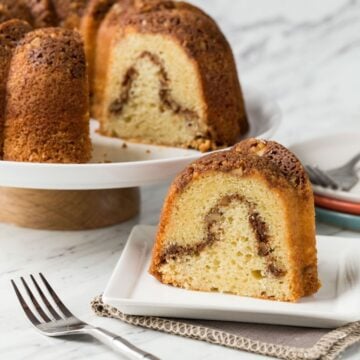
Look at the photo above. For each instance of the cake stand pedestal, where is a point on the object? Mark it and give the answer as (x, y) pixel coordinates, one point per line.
(68, 209)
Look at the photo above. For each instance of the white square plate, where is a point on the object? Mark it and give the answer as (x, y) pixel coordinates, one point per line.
(134, 291)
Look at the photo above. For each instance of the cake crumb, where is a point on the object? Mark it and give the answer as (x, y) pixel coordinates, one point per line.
(148, 151)
(124, 146)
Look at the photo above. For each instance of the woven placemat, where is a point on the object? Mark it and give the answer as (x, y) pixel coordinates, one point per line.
(283, 342)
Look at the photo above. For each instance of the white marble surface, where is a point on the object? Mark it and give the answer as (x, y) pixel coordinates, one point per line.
(303, 53)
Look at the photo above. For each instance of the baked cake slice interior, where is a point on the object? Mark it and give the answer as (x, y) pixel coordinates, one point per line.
(234, 224)
(157, 97)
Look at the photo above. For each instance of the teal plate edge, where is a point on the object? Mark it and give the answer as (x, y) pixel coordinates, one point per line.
(345, 221)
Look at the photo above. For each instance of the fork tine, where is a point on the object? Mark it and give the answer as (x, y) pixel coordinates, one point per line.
(35, 302)
(45, 300)
(318, 177)
(312, 175)
(24, 305)
(326, 178)
(57, 300)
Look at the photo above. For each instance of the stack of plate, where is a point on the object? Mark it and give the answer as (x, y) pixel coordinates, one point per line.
(335, 207)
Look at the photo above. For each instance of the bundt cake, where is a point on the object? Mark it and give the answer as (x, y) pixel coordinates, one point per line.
(45, 108)
(242, 222)
(160, 71)
(169, 77)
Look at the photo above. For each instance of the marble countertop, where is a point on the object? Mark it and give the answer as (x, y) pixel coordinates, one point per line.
(304, 54)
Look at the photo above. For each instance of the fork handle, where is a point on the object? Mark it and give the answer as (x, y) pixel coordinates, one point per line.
(119, 344)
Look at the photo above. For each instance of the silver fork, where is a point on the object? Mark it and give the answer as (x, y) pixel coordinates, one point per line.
(343, 177)
(62, 322)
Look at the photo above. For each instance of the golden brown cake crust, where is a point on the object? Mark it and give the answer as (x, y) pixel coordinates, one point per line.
(205, 44)
(15, 9)
(47, 116)
(284, 172)
(10, 34)
(288, 164)
(246, 156)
